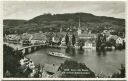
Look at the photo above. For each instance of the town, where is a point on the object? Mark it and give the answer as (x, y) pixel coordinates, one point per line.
(101, 42)
(80, 39)
(60, 39)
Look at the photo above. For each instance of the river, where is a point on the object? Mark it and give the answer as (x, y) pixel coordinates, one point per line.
(107, 63)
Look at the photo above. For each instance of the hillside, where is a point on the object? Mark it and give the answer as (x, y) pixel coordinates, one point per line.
(66, 22)
(13, 22)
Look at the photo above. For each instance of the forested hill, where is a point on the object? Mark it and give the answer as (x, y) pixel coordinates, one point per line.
(66, 22)
(13, 22)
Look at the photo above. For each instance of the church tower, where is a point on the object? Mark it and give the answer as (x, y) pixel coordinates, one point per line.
(79, 31)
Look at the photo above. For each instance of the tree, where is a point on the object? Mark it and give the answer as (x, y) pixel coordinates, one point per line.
(11, 63)
(73, 39)
(67, 39)
(81, 42)
(111, 42)
(98, 41)
(101, 42)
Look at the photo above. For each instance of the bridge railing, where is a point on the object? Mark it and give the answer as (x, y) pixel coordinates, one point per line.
(31, 46)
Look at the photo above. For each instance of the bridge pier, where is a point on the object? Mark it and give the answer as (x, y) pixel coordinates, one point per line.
(41, 46)
(29, 50)
(32, 49)
(26, 51)
(38, 47)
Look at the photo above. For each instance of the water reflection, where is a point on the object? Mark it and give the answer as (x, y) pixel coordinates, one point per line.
(80, 51)
(105, 61)
(101, 53)
(71, 51)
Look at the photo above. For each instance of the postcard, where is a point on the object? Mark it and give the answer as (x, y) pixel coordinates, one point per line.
(64, 39)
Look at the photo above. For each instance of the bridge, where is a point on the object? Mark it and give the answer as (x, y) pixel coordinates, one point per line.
(29, 49)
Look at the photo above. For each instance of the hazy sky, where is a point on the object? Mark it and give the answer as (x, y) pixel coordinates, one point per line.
(27, 10)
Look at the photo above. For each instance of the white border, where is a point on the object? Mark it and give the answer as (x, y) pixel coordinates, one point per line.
(1, 48)
(1, 40)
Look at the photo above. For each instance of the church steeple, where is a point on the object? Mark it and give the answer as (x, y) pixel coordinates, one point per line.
(79, 29)
(79, 23)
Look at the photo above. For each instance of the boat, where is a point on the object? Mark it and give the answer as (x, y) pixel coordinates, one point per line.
(57, 54)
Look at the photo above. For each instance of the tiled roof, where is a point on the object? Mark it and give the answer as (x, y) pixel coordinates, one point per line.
(38, 36)
(115, 37)
(87, 35)
(13, 37)
(26, 36)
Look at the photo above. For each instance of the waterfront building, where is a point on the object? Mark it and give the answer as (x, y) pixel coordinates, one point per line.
(25, 39)
(63, 43)
(117, 39)
(13, 38)
(85, 35)
(88, 44)
(38, 38)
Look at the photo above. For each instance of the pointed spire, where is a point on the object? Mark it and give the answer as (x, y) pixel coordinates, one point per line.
(79, 23)
(79, 29)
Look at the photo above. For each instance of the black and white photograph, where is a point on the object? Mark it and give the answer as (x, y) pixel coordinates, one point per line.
(64, 80)
(64, 39)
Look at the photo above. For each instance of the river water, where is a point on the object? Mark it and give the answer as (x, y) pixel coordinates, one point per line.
(107, 63)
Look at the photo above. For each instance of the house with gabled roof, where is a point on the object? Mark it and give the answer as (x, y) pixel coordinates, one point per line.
(117, 39)
(56, 38)
(13, 38)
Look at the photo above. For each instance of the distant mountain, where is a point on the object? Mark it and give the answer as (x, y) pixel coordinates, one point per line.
(84, 17)
(65, 22)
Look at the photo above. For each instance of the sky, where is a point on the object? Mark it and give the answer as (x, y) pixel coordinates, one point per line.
(29, 9)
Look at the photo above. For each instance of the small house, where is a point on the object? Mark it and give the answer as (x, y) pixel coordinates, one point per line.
(88, 44)
(119, 40)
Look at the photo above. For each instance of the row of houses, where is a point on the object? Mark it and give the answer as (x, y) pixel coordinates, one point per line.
(35, 38)
(58, 37)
